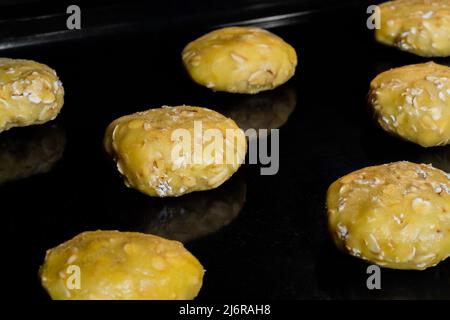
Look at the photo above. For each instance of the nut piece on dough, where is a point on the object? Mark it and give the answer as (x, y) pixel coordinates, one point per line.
(171, 151)
(421, 27)
(240, 60)
(113, 265)
(413, 102)
(30, 93)
(396, 215)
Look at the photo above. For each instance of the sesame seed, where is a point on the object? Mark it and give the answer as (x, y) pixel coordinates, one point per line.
(71, 259)
(427, 15)
(238, 58)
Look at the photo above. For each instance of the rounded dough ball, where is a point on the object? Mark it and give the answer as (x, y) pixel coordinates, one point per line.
(30, 93)
(396, 215)
(171, 151)
(421, 27)
(413, 102)
(117, 265)
(240, 60)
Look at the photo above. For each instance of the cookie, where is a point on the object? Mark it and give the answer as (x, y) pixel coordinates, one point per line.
(396, 215)
(240, 60)
(171, 151)
(421, 27)
(413, 102)
(113, 265)
(30, 93)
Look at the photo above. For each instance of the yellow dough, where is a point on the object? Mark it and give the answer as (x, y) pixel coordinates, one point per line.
(413, 102)
(396, 215)
(149, 156)
(30, 93)
(421, 27)
(115, 265)
(240, 59)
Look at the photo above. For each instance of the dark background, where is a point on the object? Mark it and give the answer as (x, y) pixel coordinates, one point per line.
(267, 234)
(31, 21)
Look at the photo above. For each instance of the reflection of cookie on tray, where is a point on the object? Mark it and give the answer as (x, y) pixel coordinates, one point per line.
(114, 265)
(30, 151)
(240, 60)
(198, 214)
(439, 158)
(396, 215)
(30, 93)
(267, 110)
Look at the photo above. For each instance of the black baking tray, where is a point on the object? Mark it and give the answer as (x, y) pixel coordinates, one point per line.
(258, 237)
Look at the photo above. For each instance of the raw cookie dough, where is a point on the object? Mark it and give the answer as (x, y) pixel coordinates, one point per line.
(154, 159)
(30, 93)
(396, 215)
(413, 102)
(421, 27)
(117, 265)
(240, 60)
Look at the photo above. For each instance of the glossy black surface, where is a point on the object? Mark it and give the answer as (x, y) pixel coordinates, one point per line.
(257, 236)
